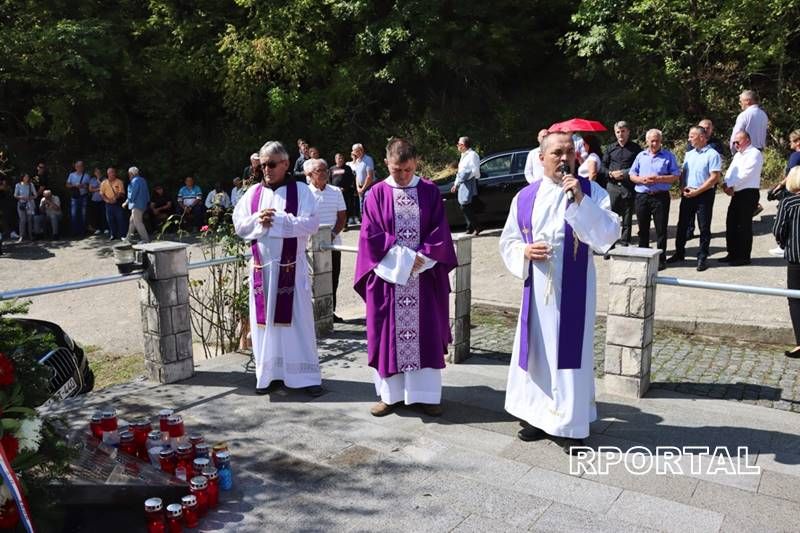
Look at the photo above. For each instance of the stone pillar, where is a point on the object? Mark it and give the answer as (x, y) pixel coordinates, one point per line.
(629, 323)
(461, 300)
(322, 280)
(166, 317)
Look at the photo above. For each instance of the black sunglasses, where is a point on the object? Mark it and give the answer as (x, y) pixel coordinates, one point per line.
(270, 164)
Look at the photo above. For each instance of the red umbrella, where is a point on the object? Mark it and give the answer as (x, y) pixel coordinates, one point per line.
(577, 124)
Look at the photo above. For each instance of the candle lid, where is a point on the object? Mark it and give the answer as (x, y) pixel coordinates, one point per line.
(184, 448)
(165, 452)
(174, 419)
(97, 416)
(174, 510)
(189, 500)
(109, 413)
(125, 436)
(198, 482)
(154, 435)
(152, 504)
(224, 455)
(210, 472)
(200, 463)
(195, 438)
(140, 423)
(165, 413)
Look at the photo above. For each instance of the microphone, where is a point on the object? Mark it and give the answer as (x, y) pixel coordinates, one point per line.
(564, 171)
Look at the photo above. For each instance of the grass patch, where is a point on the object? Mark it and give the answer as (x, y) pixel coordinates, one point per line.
(110, 369)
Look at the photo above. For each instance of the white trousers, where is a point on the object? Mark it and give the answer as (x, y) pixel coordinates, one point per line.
(418, 386)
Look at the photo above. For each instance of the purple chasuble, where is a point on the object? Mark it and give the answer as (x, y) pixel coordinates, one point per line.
(407, 326)
(284, 300)
(573, 285)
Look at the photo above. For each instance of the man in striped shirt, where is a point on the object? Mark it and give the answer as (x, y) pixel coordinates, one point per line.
(331, 210)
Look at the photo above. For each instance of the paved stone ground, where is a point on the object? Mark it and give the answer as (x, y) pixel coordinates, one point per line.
(715, 368)
(327, 465)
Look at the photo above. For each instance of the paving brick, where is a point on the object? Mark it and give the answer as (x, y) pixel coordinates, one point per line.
(662, 514)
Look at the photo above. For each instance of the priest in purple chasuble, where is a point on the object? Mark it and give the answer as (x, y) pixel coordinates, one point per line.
(547, 242)
(405, 252)
(277, 216)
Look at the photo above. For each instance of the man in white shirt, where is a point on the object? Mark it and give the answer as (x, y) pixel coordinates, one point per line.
(752, 119)
(364, 169)
(533, 165)
(742, 181)
(238, 190)
(331, 211)
(466, 183)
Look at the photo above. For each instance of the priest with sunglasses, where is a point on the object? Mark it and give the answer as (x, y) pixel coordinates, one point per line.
(277, 216)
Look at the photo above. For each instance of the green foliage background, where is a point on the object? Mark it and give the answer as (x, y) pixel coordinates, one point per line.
(182, 87)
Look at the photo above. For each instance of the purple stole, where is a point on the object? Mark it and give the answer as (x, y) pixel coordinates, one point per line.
(573, 285)
(285, 297)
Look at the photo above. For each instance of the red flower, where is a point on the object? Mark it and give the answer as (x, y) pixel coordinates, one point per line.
(10, 445)
(6, 370)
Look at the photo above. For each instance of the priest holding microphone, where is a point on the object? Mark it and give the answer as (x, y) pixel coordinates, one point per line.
(553, 226)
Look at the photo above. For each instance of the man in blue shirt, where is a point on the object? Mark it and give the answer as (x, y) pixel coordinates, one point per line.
(78, 187)
(138, 200)
(653, 172)
(190, 203)
(702, 167)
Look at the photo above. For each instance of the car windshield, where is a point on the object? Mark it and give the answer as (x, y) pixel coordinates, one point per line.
(497, 166)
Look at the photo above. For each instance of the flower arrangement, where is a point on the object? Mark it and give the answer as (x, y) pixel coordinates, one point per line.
(34, 452)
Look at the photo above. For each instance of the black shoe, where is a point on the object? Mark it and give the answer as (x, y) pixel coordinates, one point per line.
(478, 231)
(572, 446)
(262, 391)
(702, 265)
(315, 391)
(675, 259)
(794, 354)
(662, 265)
(691, 236)
(740, 262)
(337, 319)
(530, 434)
(726, 259)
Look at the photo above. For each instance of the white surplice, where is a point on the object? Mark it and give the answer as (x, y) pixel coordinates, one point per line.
(287, 353)
(412, 386)
(559, 402)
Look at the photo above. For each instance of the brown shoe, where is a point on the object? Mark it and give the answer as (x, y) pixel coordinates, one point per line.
(432, 409)
(381, 409)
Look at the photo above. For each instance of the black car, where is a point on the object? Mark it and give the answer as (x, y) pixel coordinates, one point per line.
(502, 176)
(71, 374)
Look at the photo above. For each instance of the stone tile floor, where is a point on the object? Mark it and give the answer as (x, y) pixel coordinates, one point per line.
(757, 374)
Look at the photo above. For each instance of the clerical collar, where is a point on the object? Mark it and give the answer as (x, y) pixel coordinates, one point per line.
(391, 183)
(286, 180)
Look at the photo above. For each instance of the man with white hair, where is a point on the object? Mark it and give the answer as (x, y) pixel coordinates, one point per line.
(364, 169)
(331, 211)
(51, 207)
(138, 200)
(277, 216)
(752, 119)
(252, 172)
(533, 165)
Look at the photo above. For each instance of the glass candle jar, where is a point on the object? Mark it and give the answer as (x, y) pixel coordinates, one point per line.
(154, 455)
(177, 433)
(166, 460)
(224, 470)
(155, 438)
(163, 418)
(127, 444)
(199, 464)
(202, 450)
(219, 447)
(108, 420)
(199, 488)
(174, 518)
(95, 425)
(210, 473)
(141, 428)
(190, 516)
(154, 513)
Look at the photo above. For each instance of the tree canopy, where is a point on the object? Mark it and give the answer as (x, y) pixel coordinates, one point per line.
(184, 87)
